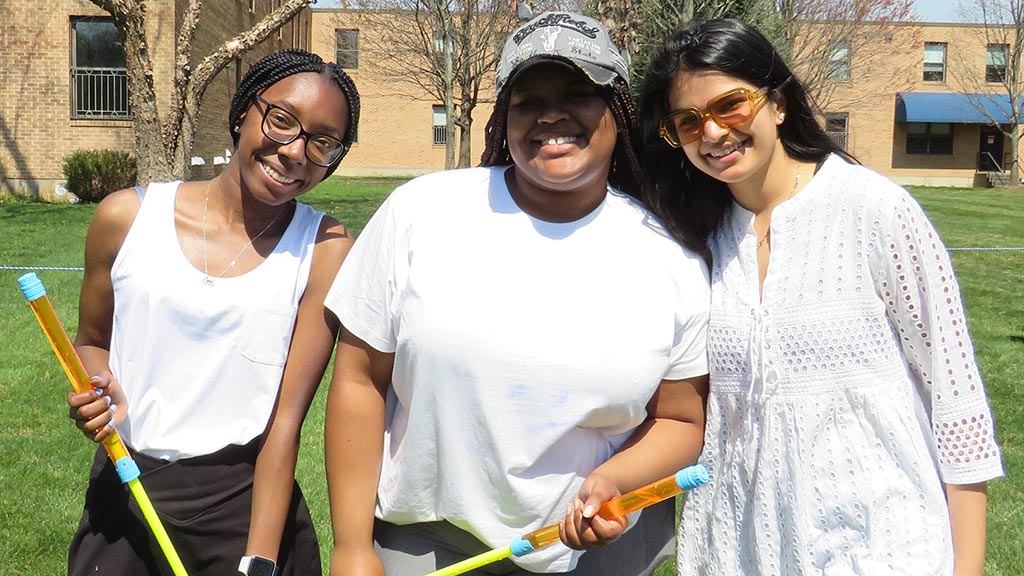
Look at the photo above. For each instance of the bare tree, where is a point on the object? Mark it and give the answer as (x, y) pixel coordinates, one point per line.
(1002, 23)
(827, 40)
(622, 21)
(638, 26)
(163, 142)
(808, 33)
(446, 49)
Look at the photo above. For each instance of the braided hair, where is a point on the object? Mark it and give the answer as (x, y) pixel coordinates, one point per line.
(625, 173)
(273, 68)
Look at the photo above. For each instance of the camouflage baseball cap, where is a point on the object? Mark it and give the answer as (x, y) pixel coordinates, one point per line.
(579, 40)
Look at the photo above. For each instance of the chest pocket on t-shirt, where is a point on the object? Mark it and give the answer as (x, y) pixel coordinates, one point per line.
(266, 334)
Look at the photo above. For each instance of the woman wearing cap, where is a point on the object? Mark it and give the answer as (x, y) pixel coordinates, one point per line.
(195, 295)
(521, 341)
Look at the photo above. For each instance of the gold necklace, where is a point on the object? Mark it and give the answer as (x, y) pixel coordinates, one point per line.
(207, 279)
(796, 184)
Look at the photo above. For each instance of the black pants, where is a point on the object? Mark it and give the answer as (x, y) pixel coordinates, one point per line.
(204, 504)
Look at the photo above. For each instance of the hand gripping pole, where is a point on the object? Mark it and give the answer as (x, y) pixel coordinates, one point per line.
(127, 469)
(686, 479)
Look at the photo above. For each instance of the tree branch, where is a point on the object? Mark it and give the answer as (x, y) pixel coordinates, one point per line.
(182, 68)
(215, 62)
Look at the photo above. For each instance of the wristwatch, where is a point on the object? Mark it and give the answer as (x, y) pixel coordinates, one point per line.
(257, 566)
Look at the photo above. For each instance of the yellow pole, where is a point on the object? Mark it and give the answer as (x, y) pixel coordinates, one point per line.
(686, 479)
(474, 562)
(128, 471)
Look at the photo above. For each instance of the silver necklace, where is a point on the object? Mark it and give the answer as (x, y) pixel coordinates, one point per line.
(207, 279)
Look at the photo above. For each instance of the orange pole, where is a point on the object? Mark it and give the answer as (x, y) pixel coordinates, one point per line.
(686, 479)
(127, 469)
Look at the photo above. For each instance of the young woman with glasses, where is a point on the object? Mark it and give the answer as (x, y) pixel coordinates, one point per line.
(522, 341)
(194, 297)
(848, 430)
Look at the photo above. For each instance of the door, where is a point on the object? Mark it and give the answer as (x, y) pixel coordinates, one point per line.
(990, 150)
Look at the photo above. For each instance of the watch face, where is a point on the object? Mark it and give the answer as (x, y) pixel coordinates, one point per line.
(261, 567)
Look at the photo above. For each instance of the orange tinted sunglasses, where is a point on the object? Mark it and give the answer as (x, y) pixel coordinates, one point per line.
(729, 109)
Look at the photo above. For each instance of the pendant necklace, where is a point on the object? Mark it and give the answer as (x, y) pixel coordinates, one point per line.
(796, 184)
(210, 280)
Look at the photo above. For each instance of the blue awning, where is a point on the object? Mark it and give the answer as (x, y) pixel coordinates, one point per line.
(952, 108)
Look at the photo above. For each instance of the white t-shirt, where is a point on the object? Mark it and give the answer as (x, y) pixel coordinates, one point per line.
(842, 396)
(525, 351)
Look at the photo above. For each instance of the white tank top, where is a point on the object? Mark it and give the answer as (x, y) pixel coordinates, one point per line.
(201, 365)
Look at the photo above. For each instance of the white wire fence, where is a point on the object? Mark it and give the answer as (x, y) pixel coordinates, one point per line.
(956, 249)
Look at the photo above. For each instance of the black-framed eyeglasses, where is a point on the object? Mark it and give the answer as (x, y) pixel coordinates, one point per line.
(283, 127)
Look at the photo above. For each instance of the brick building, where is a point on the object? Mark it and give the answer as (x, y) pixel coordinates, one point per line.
(401, 130)
(923, 117)
(918, 121)
(929, 118)
(63, 87)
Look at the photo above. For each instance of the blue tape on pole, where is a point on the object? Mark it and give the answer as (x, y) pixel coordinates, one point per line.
(692, 476)
(521, 547)
(127, 469)
(31, 286)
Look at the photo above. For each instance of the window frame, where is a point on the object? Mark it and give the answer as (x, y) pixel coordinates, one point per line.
(839, 65)
(840, 137)
(107, 84)
(941, 73)
(351, 35)
(440, 131)
(929, 142)
(996, 73)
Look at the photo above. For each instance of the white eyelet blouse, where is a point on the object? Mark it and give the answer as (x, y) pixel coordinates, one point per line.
(841, 399)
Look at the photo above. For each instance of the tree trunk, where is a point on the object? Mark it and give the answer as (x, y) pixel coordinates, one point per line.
(163, 145)
(465, 140)
(1014, 150)
(150, 147)
(449, 102)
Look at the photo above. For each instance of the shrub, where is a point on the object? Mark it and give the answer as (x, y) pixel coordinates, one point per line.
(92, 174)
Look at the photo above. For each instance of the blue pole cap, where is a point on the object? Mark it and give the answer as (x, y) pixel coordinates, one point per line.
(127, 469)
(692, 476)
(31, 286)
(521, 547)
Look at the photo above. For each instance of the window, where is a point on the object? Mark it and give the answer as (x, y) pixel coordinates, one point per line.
(995, 62)
(839, 61)
(934, 62)
(929, 138)
(836, 127)
(99, 80)
(346, 48)
(440, 126)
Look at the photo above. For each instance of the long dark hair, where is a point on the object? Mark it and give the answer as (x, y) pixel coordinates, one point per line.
(691, 203)
(273, 68)
(625, 173)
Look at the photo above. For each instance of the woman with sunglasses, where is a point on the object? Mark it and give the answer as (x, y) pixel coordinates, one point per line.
(195, 296)
(521, 342)
(848, 430)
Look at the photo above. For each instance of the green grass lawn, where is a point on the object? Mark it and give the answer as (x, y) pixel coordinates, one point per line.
(44, 461)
